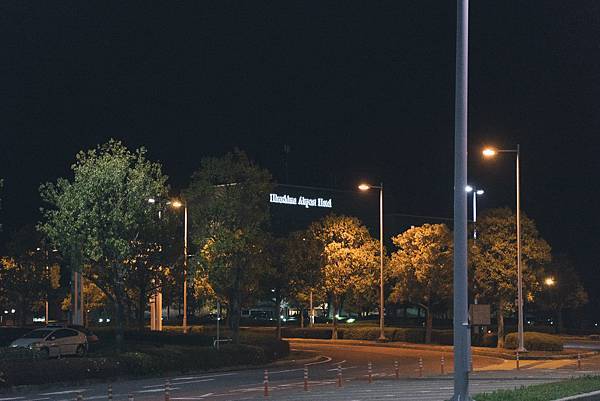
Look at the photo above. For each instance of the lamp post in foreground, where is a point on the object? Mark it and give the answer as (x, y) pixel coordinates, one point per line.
(366, 187)
(491, 152)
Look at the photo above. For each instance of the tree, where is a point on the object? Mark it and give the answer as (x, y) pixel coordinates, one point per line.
(97, 217)
(227, 199)
(564, 289)
(422, 269)
(27, 272)
(494, 256)
(349, 255)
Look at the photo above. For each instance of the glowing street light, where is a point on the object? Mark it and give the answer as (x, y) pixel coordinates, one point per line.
(476, 192)
(549, 281)
(490, 152)
(366, 187)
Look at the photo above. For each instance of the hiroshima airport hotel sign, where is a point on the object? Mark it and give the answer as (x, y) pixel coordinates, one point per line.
(300, 201)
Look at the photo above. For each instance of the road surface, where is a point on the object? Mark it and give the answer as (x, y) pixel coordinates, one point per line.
(286, 383)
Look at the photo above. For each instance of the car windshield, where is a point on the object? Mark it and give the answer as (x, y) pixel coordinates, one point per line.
(37, 334)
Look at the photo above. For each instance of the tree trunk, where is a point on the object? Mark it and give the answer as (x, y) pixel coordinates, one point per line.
(301, 318)
(278, 310)
(141, 308)
(234, 319)
(500, 318)
(334, 333)
(428, 324)
(559, 321)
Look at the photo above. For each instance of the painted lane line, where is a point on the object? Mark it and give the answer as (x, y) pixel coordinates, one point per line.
(326, 360)
(156, 390)
(343, 368)
(205, 376)
(40, 399)
(286, 371)
(11, 399)
(181, 383)
(81, 390)
(200, 397)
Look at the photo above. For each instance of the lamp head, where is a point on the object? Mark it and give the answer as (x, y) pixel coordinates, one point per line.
(364, 187)
(549, 281)
(489, 152)
(480, 192)
(176, 204)
(469, 189)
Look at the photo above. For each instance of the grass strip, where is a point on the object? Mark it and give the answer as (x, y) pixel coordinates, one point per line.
(545, 392)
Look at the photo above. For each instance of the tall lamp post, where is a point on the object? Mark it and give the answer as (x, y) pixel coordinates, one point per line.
(178, 204)
(491, 152)
(366, 187)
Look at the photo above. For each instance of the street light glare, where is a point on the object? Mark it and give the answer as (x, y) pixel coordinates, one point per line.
(550, 281)
(364, 187)
(469, 188)
(480, 192)
(489, 152)
(151, 200)
(176, 204)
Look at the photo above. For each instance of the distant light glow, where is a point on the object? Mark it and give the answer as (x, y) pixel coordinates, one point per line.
(364, 187)
(351, 320)
(176, 204)
(549, 281)
(480, 192)
(151, 200)
(469, 188)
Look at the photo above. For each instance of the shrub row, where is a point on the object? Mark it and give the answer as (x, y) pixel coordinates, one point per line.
(412, 335)
(149, 359)
(535, 341)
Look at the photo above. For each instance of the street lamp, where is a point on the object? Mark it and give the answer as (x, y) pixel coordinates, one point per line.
(178, 204)
(549, 281)
(366, 187)
(476, 193)
(491, 152)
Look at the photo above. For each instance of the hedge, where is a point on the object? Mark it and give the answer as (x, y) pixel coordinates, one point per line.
(411, 335)
(535, 341)
(148, 360)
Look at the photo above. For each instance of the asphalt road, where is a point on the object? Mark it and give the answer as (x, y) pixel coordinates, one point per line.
(286, 383)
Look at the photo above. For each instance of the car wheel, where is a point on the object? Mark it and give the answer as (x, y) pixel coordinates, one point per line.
(81, 351)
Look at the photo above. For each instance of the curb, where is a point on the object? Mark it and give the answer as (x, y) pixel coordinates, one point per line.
(593, 396)
(440, 348)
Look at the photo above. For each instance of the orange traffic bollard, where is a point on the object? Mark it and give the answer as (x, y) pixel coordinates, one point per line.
(305, 377)
(79, 397)
(130, 397)
(578, 361)
(110, 394)
(396, 370)
(370, 372)
(420, 367)
(266, 382)
(442, 365)
(339, 375)
(518, 366)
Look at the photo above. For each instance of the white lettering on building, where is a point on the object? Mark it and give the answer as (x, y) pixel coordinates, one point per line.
(301, 201)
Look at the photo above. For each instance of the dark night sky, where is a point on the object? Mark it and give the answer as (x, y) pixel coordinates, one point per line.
(358, 90)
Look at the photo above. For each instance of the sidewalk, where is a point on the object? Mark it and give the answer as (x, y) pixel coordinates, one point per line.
(428, 389)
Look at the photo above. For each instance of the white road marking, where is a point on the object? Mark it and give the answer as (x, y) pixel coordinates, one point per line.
(200, 397)
(343, 368)
(81, 390)
(179, 383)
(157, 390)
(327, 359)
(10, 399)
(205, 376)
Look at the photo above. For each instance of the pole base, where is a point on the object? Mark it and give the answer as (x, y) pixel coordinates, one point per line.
(382, 339)
(522, 350)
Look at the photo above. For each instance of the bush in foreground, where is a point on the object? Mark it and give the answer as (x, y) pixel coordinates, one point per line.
(545, 392)
(535, 341)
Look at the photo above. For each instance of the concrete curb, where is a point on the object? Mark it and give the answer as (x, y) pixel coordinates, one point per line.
(593, 396)
(440, 348)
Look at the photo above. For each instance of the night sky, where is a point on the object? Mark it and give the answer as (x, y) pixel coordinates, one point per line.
(357, 90)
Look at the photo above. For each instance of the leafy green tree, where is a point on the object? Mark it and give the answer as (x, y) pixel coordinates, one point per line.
(421, 268)
(494, 256)
(227, 200)
(27, 273)
(96, 218)
(303, 258)
(349, 256)
(563, 289)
